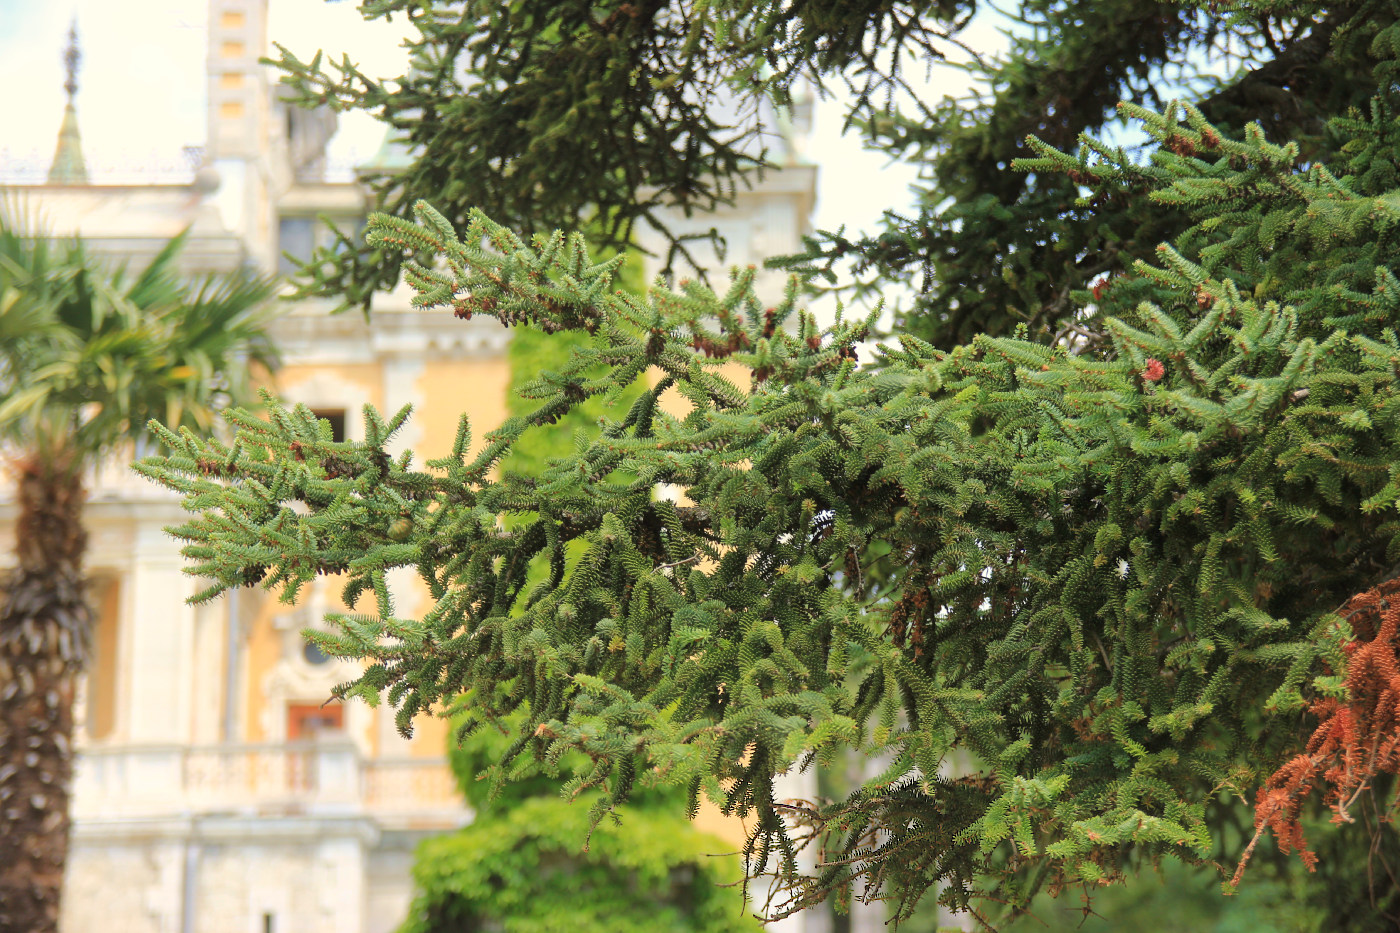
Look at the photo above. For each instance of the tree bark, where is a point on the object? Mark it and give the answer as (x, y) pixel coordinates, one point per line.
(45, 621)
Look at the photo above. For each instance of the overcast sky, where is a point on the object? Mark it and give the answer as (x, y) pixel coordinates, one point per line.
(141, 90)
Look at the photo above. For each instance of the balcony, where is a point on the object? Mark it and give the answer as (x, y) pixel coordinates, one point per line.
(327, 777)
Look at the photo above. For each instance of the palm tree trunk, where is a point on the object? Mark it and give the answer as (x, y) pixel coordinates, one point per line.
(45, 621)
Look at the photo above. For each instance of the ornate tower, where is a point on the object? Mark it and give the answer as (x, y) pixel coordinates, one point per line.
(238, 87)
(68, 167)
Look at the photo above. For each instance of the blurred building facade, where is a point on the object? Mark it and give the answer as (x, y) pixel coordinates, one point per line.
(216, 790)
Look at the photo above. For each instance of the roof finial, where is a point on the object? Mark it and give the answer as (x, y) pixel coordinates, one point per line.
(68, 167)
(71, 58)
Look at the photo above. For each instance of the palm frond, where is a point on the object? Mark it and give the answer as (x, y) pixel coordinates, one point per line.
(89, 352)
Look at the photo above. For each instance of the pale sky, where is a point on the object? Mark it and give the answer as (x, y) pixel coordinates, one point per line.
(141, 91)
(142, 80)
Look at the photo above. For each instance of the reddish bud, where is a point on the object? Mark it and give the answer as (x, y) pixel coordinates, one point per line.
(1154, 371)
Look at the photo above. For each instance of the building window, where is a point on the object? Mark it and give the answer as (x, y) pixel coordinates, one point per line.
(301, 236)
(296, 239)
(307, 720)
(336, 417)
(102, 667)
(313, 653)
(354, 230)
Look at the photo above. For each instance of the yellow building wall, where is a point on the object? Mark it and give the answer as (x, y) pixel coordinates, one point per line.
(445, 389)
(102, 674)
(678, 406)
(710, 818)
(368, 377)
(264, 649)
(450, 387)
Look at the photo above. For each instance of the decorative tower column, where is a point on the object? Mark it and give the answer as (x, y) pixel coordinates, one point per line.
(240, 124)
(68, 167)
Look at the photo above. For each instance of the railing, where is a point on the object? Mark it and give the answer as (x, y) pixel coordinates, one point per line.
(266, 774)
(153, 168)
(324, 777)
(31, 167)
(405, 784)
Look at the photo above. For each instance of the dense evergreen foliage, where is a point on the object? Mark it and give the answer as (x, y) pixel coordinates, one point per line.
(539, 111)
(522, 864)
(1109, 569)
(988, 249)
(1090, 525)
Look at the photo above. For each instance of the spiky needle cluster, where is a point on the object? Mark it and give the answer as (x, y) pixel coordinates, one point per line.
(1106, 570)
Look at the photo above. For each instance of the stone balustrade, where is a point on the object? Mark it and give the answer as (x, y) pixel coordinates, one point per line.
(328, 777)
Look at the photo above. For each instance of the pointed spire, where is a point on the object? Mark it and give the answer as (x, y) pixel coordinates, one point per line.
(68, 167)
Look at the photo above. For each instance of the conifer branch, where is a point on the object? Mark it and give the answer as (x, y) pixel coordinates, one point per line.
(1101, 573)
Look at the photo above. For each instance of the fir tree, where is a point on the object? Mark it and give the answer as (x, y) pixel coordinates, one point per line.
(540, 111)
(1110, 569)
